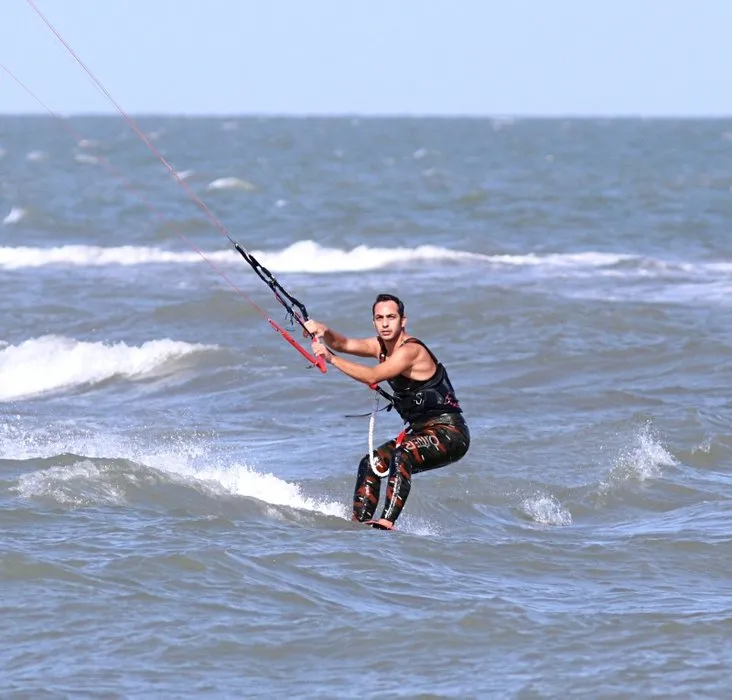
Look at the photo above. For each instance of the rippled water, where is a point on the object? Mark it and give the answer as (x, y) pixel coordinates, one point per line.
(175, 483)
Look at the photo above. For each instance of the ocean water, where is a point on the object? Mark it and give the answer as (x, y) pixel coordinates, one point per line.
(175, 480)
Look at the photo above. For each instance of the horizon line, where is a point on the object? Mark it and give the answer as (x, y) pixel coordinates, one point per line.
(506, 116)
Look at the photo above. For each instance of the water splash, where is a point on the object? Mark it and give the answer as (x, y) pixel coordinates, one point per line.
(643, 459)
(546, 509)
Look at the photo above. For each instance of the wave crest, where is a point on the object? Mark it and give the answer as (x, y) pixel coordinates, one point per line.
(55, 363)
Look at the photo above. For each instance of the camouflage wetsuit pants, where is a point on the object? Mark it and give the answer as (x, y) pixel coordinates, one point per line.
(428, 444)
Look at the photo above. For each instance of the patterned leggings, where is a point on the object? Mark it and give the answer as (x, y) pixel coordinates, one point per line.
(429, 444)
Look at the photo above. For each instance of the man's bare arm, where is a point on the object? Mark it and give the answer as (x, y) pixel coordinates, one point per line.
(399, 362)
(363, 347)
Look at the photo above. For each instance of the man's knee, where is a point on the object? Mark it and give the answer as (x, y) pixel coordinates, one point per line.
(372, 464)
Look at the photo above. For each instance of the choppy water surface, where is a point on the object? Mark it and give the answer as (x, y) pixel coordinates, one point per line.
(175, 483)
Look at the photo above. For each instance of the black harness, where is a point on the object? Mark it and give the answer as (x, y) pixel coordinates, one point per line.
(415, 399)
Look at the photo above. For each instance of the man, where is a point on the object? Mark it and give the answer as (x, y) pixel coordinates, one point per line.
(435, 433)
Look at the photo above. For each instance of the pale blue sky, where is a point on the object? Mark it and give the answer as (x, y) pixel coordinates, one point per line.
(442, 57)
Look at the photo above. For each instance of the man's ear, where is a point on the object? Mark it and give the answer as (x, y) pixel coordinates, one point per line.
(404, 322)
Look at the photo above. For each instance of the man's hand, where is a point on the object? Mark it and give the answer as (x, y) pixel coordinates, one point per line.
(314, 328)
(319, 350)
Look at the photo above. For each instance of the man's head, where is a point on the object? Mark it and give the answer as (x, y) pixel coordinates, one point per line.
(388, 315)
(388, 297)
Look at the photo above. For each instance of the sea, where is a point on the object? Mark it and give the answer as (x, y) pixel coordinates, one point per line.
(176, 480)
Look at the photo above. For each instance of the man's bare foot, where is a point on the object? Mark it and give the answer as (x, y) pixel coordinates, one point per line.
(380, 524)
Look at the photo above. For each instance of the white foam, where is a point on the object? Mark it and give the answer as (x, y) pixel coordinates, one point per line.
(230, 183)
(89, 143)
(54, 363)
(723, 267)
(244, 481)
(303, 256)
(193, 462)
(586, 259)
(96, 256)
(546, 510)
(86, 159)
(80, 484)
(308, 256)
(15, 215)
(643, 459)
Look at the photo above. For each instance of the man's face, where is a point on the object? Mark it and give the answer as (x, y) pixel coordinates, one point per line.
(387, 321)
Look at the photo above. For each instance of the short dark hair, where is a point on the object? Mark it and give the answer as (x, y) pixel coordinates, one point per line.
(389, 297)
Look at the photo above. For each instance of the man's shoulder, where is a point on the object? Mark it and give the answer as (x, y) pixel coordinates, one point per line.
(416, 343)
(414, 346)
